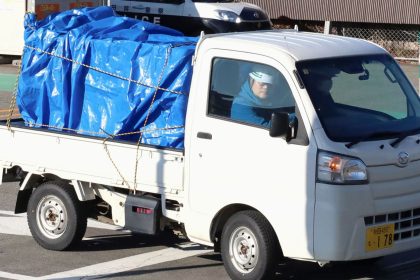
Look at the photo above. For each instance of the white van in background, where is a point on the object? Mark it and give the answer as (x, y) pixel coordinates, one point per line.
(194, 16)
(12, 13)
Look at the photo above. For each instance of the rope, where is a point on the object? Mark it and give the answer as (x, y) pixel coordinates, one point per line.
(103, 133)
(168, 51)
(14, 95)
(110, 136)
(12, 105)
(101, 71)
(124, 134)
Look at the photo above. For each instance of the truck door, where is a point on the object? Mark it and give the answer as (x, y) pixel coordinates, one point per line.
(233, 160)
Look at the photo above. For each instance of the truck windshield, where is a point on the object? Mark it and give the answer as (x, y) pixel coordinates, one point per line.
(361, 98)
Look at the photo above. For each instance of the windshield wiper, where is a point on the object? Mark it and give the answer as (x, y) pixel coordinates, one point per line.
(373, 135)
(404, 135)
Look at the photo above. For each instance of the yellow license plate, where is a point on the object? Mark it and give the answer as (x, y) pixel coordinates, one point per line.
(379, 237)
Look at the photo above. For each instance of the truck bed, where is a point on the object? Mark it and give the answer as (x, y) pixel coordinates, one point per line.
(76, 157)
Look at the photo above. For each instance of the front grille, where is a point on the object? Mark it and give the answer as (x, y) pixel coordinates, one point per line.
(407, 223)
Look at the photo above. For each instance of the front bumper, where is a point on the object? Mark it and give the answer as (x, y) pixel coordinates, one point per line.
(343, 213)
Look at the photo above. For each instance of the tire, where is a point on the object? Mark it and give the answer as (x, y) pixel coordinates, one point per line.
(249, 247)
(52, 200)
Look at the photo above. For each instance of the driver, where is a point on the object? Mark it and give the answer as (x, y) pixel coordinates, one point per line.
(253, 103)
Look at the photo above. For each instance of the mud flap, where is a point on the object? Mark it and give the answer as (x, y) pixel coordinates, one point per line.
(22, 201)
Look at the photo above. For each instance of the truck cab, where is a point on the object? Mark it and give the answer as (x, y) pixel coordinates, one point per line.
(193, 16)
(343, 184)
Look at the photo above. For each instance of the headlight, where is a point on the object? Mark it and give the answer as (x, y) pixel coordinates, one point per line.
(228, 16)
(338, 169)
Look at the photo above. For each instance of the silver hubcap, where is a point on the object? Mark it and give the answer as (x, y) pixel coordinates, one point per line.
(51, 217)
(243, 249)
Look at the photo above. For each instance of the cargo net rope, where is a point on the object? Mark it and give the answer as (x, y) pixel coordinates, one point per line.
(12, 114)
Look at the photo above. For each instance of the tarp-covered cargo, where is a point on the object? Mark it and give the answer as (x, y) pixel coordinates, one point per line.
(91, 72)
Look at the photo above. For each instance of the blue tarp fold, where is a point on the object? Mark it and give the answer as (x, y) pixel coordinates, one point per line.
(96, 73)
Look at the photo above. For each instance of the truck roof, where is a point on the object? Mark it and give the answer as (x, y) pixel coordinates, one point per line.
(301, 45)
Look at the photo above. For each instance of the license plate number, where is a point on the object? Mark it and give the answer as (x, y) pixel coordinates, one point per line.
(379, 237)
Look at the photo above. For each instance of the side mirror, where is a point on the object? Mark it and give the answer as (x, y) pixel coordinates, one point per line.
(280, 125)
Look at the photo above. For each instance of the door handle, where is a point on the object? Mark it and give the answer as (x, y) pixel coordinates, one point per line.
(204, 135)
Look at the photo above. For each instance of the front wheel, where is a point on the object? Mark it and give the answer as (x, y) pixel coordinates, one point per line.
(56, 217)
(249, 246)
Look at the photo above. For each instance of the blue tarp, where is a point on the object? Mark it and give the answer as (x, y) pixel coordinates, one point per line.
(95, 73)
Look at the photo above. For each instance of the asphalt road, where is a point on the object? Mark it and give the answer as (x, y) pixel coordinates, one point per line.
(107, 253)
(112, 253)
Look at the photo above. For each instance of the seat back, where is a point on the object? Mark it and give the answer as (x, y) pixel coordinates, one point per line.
(225, 85)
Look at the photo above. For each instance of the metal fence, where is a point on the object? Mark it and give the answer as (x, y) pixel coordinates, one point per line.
(401, 42)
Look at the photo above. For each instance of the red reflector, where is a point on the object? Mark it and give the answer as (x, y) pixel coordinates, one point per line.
(141, 210)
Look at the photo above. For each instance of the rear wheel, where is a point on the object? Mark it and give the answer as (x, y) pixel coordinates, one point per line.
(249, 246)
(56, 217)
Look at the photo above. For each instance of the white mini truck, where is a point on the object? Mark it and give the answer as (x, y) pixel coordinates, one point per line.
(333, 176)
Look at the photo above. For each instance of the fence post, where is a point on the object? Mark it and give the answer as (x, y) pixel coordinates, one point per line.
(327, 27)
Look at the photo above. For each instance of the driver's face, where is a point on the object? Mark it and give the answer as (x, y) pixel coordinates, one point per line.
(260, 89)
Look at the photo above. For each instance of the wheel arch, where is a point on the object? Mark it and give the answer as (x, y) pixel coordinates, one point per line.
(221, 218)
(27, 186)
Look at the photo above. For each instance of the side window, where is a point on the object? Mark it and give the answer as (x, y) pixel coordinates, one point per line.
(247, 92)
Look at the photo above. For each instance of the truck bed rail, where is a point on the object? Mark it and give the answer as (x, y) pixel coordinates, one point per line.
(90, 159)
